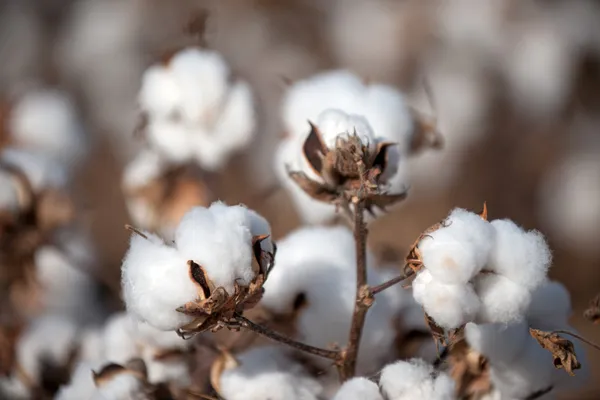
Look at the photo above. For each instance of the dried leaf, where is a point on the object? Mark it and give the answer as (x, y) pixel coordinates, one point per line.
(314, 189)
(314, 149)
(484, 213)
(198, 275)
(562, 349)
(470, 371)
(383, 201)
(437, 332)
(593, 311)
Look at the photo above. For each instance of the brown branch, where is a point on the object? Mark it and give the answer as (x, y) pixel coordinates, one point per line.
(135, 230)
(581, 338)
(261, 330)
(381, 287)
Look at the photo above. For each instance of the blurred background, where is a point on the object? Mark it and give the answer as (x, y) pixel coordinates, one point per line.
(515, 87)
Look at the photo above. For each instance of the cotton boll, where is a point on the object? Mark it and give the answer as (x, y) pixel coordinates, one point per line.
(123, 386)
(498, 342)
(120, 344)
(219, 238)
(156, 282)
(404, 379)
(502, 300)
(266, 372)
(171, 138)
(173, 370)
(160, 95)
(41, 171)
(143, 169)
(81, 385)
(449, 305)
(471, 227)
(335, 123)
(159, 339)
(45, 121)
(523, 257)
(50, 337)
(14, 388)
(358, 389)
(550, 304)
(91, 348)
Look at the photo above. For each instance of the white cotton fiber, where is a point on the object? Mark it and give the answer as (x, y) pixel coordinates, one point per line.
(500, 343)
(41, 171)
(123, 386)
(143, 169)
(160, 95)
(172, 139)
(150, 336)
(155, 281)
(502, 300)
(174, 370)
(219, 238)
(358, 389)
(120, 344)
(523, 257)
(91, 346)
(449, 305)
(81, 386)
(266, 372)
(50, 337)
(550, 305)
(334, 123)
(414, 379)
(45, 121)
(9, 193)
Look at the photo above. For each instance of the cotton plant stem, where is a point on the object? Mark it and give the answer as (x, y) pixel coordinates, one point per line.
(385, 285)
(581, 338)
(264, 331)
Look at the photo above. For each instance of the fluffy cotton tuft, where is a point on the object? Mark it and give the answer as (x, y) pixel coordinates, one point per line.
(523, 257)
(551, 302)
(358, 389)
(81, 385)
(414, 379)
(156, 282)
(45, 121)
(194, 111)
(315, 279)
(123, 386)
(502, 300)
(266, 372)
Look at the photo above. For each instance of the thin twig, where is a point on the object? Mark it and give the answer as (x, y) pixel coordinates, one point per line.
(135, 230)
(363, 297)
(584, 340)
(381, 287)
(261, 330)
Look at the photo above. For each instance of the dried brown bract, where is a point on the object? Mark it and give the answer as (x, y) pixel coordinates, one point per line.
(470, 371)
(8, 340)
(225, 361)
(344, 169)
(214, 308)
(562, 349)
(593, 311)
(426, 134)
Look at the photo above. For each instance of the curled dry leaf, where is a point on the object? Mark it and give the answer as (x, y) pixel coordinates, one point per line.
(214, 307)
(562, 349)
(593, 311)
(470, 371)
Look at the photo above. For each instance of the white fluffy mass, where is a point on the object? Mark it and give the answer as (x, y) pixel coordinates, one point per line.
(339, 103)
(415, 379)
(40, 170)
(10, 197)
(358, 389)
(194, 110)
(155, 276)
(318, 266)
(81, 385)
(46, 121)
(268, 373)
(477, 271)
(124, 386)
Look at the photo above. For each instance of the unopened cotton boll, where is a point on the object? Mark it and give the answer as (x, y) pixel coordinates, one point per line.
(45, 121)
(414, 379)
(267, 373)
(449, 305)
(502, 300)
(155, 282)
(219, 239)
(358, 389)
(523, 257)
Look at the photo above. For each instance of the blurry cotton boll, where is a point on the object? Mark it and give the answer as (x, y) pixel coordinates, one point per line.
(570, 202)
(114, 382)
(193, 98)
(157, 278)
(41, 171)
(266, 372)
(415, 379)
(46, 121)
(315, 281)
(81, 385)
(358, 389)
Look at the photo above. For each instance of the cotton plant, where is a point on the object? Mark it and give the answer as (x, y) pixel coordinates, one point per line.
(193, 110)
(333, 121)
(45, 121)
(158, 192)
(470, 270)
(215, 268)
(261, 373)
(122, 382)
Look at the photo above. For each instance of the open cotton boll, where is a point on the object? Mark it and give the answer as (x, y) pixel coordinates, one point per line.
(172, 139)
(123, 386)
(45, 121)
(160, 95)
(523, 257)
(550, 305)
(358, 389)
(498, 342)
(81, 386)
(219, 238)
(143, 169)
(449, 305)
(267, 373)
(315, 280)
(41, 171)
(52, 338)
(173, 370)
(155, 282)
(414, 379)
(502, 300)
(120, 344)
